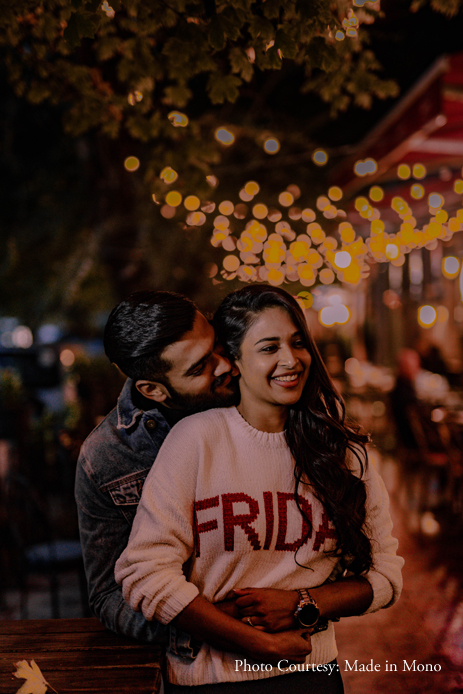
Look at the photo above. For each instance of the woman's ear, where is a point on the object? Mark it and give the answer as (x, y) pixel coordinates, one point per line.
(152, 390)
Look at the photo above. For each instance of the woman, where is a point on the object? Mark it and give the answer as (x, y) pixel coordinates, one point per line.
(274, 493)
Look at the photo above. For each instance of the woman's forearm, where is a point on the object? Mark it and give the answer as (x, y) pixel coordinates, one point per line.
(345, 597)
(274, 609)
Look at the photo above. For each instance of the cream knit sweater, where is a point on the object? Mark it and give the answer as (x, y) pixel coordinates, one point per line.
(220, 496)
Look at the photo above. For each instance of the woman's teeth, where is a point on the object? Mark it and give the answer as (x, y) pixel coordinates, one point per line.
(294, 377)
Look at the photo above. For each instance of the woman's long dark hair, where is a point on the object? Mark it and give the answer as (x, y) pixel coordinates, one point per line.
(317, 434)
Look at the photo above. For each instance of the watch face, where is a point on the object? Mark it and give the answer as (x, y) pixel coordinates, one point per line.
(308, 615)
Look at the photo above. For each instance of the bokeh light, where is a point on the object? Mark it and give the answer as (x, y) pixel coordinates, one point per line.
(435, 200)
(376, 193)
(173, 198)
(403, 171)
(168, 175)
(427, 316)
(320, 157)
(450, 266)
(67, 357)
(271, 145)
(365, 167)
(224, 136)
(132, 164)
(191, 203)
(178, 120)
(226, 207)
(419, 171)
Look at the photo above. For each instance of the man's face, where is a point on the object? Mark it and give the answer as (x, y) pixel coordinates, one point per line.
(200, 376)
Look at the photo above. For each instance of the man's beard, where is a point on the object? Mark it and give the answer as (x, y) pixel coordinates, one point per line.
(204, 401)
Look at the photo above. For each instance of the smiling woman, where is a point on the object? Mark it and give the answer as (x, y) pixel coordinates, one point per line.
(274, 493)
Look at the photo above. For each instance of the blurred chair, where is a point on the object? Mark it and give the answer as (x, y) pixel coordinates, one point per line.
(435, 457)
(37, 546)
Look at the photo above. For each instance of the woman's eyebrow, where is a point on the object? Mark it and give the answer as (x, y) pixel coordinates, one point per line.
(276, 339)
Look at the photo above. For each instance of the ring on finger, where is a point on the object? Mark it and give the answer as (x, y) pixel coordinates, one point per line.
(249, 621)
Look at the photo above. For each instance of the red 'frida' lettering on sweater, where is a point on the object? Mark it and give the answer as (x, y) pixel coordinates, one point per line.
(269, 518)
(244, 520)
(323, 532)
(283, 499)
(198, 528)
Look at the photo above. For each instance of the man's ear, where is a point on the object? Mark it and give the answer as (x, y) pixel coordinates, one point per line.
(152, 390)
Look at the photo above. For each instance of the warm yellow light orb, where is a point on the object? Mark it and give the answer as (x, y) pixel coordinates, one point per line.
(403, 171)
(376, 193)
(252, 188)
(168, 175)
(173, 198)
(132, 164)
(419, 171)
(285, 199)
(226, 207)
(192, 202)
(231, 263)
(260, 211)
(335, 193)
(416, 191)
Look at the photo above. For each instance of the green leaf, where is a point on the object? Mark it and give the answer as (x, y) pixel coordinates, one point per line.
(240, 64)
(81, 25)
(216, 34)
(272, 8)
(286, 44)
(221, 88)
(261, 27)
(231, 23)
(322, 55)
(178, 95)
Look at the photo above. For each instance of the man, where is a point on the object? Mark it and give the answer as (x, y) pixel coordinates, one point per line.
(167, 349)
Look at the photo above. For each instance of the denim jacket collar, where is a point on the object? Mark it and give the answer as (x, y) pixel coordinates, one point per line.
(127, 413)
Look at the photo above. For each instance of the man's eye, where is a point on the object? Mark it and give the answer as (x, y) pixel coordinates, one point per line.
(198, 371)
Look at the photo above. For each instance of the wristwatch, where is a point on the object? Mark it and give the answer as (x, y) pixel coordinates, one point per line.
(308, 613)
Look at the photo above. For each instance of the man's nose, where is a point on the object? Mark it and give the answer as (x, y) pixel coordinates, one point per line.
(222, 365)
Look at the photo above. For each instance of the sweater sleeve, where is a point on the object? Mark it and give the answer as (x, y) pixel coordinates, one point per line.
(151, 567)
(385, 575)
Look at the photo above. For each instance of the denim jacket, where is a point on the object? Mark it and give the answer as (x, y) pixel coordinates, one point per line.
(113, 463)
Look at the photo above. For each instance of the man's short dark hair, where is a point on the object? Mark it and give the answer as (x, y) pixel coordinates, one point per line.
(141, 327)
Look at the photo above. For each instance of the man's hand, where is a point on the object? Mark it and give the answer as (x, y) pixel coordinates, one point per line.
(269, 609)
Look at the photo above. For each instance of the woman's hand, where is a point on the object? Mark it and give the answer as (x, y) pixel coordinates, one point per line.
(292, 646)
(270, 609)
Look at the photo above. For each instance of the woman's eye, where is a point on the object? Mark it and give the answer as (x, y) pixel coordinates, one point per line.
(269, 348)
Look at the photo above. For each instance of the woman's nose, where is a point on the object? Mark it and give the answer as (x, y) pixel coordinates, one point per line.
(288, 358)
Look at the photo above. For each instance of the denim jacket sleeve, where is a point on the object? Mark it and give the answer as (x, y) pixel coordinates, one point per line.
(105, 520)
(104, 532)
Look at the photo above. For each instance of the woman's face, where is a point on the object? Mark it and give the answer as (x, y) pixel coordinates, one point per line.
(274, 362)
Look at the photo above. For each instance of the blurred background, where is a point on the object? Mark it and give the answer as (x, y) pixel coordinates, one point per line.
(194, 147)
